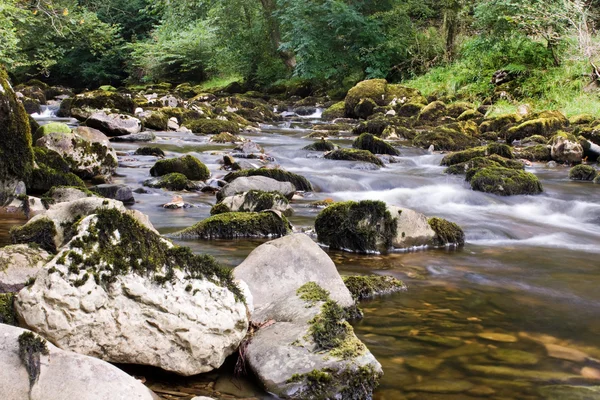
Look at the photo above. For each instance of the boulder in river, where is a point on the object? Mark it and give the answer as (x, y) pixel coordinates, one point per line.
(432, 112)
(120, 292)
(16, 162)
(173, 181)
(320, 145)
(379, 92)
(450, 137)
(282, 266)
(18, 264)
(34, 369)
(261, 183)
(87, 151)
(101, 99)
(114, 124)
(366, 141)
(354, 155)
(501, 150)
(187, 165)
(119, 192)
(255, 201)
(281, 175)
(544, 124)
(369, 286)
(306, 349)
(232, 225)
(582, 172)
(212, 126)
(505, 182)
(566, 148)
(52, 127)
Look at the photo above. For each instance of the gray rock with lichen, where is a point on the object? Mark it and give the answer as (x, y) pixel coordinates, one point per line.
(262, 183)
(120, 292)
(254, 201)
(413, 230)
(18, 264)
(114, 124)
(62, 374)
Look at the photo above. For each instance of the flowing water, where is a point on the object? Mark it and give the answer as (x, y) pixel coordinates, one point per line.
(512, 315)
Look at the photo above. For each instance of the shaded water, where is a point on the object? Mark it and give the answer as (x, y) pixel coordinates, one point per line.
(529, 270)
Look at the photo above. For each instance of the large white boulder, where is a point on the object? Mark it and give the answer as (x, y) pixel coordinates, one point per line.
(283, 265)
(413, 228)
(114, 124)
(119, 292)
(60, 374)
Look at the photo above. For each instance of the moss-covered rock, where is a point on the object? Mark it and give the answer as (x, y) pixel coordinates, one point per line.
(41, 231)
(473, 165)
(320, 145)
(446, 232)
(540, 153)
(156, 120)
(219, 208)
(581, 119)
(149, 151)
(225, 137)
(455, 110)
(335, 111)
(172, 181)
(7, 309)
(366, 141)
(365, 108)
(505, 182)
(100, 99)
(502, 150)
(544, 126)
(188, 165)
(212, 126)
(364, 226)
(375, 126)
(354, 155)
(238, 225)
(256, 201)
(582, 173)
(379, 92)
(433, 111)
(44, 178)
(410, 109)
(300, 182)
(499, 123)
(451, 137)
(16, 154)
(52, 127)
(368, 286)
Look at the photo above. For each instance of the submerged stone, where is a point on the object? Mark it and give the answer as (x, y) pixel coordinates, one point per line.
(440, 386)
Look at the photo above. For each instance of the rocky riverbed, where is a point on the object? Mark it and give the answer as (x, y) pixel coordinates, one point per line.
(500, 266)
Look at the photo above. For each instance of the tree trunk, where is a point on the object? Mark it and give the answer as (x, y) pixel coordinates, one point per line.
(288, 57)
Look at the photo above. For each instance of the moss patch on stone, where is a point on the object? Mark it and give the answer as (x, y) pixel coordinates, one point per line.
(367, 287)
(31, 348)
(100, 99)
(320, 145)
(212, 126)
(350, 384)
(173, 181)
(261, 200)
(540, 126)
(451, 137)
(366, 141)
(16, 154)
(149, 151)
(41, 231)
(219, 208)
(7, 309)
(312, 293)
(364, 226)
(582, 173)
(45, 178)
(505, 182)
(540, 152)
(188, 165)
(139, 251)
(238, 225)
(446, 232)
(335, 111)
(300, 182)
(433, 111)
(354, 155)
(502, 150)
(52, 127)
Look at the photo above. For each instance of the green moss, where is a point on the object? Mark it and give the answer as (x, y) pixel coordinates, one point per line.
(225, 137)
(312, 293)
(156, 120)
(212, 126)
(454, 110)
(52, 127)
(219, 208)
(411, 109)
(100, 99)
(541, 126)
(174, 181)
(183, 115)
(482, 151)
(469, 115)
(364, 226)
(140, 251)
(42, 231)
(472, 166)
(582, 119)
(582, 173)
(446, 232)
(238, 225)
(433, 111)
(352, 383)
(366, 287)
(7, 309)
(16, 154)
(505, 182)
(500, 123)
(335, 111)
(540, 152)
(354, 155)
(375, 126)
(150, 151)
(365, 108)
(51, 159)
(373, 89)
(262, 200)
(31, 347)
(321, 145)
(44, 178)
(188, 165)
(300, 182)
(451, 137)
(366, 141)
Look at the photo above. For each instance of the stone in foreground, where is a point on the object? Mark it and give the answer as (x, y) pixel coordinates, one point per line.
(59, 374)
(119, 292)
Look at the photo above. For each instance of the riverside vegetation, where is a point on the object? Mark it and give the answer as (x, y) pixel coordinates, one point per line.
(212, 189)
